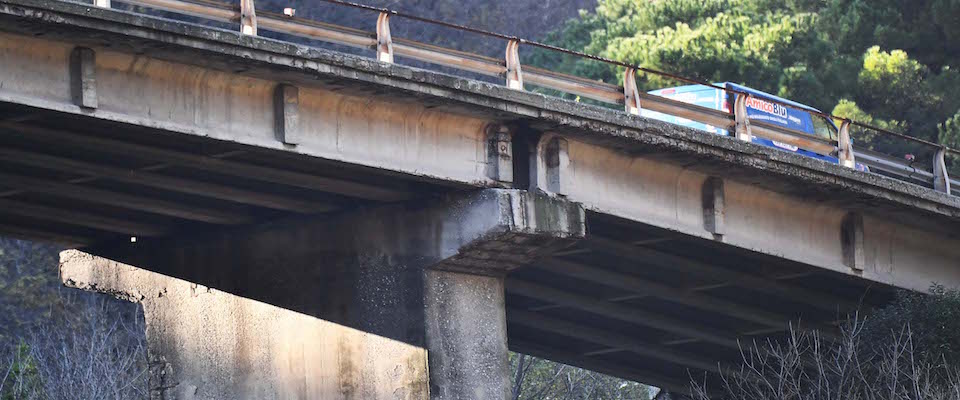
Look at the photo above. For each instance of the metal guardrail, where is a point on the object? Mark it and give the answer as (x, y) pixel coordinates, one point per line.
(509, 68)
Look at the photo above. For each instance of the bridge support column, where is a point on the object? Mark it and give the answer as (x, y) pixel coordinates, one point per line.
(359, 305)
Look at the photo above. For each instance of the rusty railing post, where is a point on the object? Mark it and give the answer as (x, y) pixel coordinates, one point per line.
(248, 18)
(743, 130)
(384, 41)
(514, 75)
(941, 179)
(631, 96)
(845, 146)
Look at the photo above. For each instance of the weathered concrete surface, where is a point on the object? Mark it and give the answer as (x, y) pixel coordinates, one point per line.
(470, 308)
(754, 218)
(207, 344)
(212, 83)
(397, 272)
(146, 91)
(485, 232)
(429, 275)
(230, 52)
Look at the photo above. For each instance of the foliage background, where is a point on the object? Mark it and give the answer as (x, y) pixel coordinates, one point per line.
(889, 63)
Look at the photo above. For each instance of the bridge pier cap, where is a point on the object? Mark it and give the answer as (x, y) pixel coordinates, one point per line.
(422, 282)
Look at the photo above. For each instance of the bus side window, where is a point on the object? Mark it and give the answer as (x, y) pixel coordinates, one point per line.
(824, 129)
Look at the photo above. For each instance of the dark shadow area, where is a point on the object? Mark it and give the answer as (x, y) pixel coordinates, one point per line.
(58, 343)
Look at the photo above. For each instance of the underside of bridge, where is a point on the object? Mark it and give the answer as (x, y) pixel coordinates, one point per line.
(78, 181)
(630, 299)
(260, 168)
(654, 306)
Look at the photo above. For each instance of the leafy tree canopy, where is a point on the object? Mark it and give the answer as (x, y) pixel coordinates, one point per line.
(888, 62)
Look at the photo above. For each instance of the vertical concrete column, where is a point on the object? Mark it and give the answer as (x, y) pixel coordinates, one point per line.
(466, 335)
(423, 275)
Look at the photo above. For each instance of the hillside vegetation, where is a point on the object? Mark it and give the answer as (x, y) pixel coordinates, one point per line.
(890, 63)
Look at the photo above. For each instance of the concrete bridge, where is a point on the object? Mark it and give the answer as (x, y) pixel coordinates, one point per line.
(300, 223)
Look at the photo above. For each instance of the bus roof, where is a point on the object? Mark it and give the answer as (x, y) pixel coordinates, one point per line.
(758, 93)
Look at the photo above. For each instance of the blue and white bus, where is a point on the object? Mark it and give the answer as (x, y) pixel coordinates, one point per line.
(761, 106)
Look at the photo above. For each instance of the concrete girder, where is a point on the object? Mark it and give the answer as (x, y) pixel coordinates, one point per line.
(370, 131)
(83, 219)
(641, 287)
(212, 163)
(119, 199)
(773, 202)
(758, 220)
(181, 185)
(411, 277)
(633, 315)
(608, 338)
(644, 255)
(416, 139)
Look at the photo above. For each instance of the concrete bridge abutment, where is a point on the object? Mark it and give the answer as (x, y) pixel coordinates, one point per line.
(394, 302)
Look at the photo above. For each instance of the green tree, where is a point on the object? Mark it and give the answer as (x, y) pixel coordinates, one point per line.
(907, 350)
(893, 86)
(63, 344)
(949, 131)
(537, 379)
(889, 63)
(21, 378)
(933, 318)
(772, 45)
(28, 279)
(949, 134)
(906, 94)
(926, 29)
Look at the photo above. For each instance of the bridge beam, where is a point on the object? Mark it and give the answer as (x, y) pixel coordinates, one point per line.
(424, 283)
(211, 85)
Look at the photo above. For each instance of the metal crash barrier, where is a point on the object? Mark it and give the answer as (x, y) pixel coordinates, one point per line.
(249, 20)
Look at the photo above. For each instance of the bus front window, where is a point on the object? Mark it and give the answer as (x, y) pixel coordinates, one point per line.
(823, 129)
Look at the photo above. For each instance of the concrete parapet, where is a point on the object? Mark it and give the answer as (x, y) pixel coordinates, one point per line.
(390, 281)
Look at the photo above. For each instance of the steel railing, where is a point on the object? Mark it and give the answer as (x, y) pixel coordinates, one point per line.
(509, 68)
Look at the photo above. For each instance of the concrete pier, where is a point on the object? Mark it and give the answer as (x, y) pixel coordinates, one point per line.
(395, 302)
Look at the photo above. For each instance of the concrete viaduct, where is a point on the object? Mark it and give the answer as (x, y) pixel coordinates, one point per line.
(301, 223)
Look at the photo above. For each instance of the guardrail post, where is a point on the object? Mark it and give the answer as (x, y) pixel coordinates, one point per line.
(743, 130)
(845, 146)
(248, 18)
(514, 75)
(631, 96)
(941, 179)
(384, 42)
(102, 3)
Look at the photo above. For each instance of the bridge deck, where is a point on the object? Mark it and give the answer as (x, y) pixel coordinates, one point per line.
(183, 141)
(80, 181)
(654, 306)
